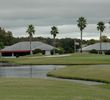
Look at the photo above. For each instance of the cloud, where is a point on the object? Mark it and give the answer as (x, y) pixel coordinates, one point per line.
(49, 12)
(17, 14)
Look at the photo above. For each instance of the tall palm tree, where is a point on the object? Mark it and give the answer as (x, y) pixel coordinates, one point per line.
(81, 24)
(100, 27)
(54, 32)
(109, 23)
(30, 31)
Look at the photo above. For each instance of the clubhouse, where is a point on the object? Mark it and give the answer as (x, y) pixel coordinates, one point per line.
(96, 46)
(23, 48)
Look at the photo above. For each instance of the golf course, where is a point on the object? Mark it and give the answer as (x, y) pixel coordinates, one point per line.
(72, 59)
(89, 67)
(54, 50)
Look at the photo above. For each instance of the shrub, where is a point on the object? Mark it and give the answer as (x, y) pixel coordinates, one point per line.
(36, 51)
(107, 52)
(94, 51)
(43, 52)
(58, 51)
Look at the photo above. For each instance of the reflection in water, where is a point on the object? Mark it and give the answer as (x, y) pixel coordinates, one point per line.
(38, 71)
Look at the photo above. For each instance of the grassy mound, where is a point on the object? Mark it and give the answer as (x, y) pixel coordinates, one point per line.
(92, 72)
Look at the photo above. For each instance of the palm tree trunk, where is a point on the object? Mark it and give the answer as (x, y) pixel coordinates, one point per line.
(100, 43)
(30, 46)
(74, 46)
(81, 42)
(54, 46)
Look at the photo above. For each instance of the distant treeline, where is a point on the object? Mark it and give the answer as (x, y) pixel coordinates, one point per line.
(6, 38)
(69, 45)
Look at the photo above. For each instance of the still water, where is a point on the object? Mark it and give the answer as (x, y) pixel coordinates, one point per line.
(38, 71)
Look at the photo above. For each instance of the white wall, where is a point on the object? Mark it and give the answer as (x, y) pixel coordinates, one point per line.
(47, 52)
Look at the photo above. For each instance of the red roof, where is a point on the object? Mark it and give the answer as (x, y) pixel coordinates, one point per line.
(15, 51)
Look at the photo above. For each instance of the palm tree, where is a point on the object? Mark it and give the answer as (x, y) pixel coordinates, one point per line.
(109, 23)
(100, 27)
(54, 32)
(30, 32)
(81, 24)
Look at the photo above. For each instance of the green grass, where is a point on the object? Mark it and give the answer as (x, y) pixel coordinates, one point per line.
(68, 60)
(38, 89)
(106, 86)
(84, 72)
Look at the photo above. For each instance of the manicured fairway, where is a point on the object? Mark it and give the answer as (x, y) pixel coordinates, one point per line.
(84, 72)
(40, 89)
(68, 60)
(37, 89)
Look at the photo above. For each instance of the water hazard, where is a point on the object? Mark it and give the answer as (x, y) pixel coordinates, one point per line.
(38, 71)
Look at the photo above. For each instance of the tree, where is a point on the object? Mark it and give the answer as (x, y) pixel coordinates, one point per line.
(54, 32)
(81, 24)
(10, 38)
(109, 22)
(67, 44)
(104, 38)
(6, 37)
(91, 41)
(100, 27)
(30, 32)
(1, 45)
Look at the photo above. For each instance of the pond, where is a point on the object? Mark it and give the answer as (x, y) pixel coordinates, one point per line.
(37, 71)
(28, 71)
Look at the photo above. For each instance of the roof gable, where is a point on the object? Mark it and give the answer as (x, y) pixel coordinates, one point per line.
(26, 46)
(96, 46)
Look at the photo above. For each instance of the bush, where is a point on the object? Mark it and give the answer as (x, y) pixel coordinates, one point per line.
(107, 52)
(58, 51)
(43, 52)
(36, 51)
(94, 51)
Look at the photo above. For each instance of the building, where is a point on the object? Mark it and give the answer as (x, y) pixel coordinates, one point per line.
(96, 46)
(23, 48)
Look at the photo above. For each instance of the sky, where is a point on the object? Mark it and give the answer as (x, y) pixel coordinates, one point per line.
(16, 15)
